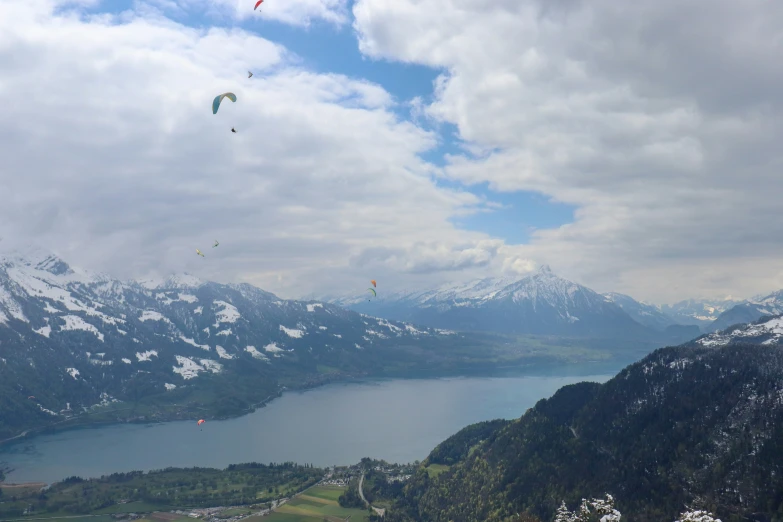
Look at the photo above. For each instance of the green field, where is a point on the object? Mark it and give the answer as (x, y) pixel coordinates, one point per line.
(436, 469)
(234, 512)
(325, 492)
(163, 490)
(315, 504)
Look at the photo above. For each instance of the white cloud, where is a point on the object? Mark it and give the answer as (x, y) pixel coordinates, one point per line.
(660, 121)
(116, 162)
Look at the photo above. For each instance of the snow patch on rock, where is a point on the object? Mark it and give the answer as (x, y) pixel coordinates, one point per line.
(74, 322)
(292, 332)
(188, 368)
(229, 313)
(151, 315)
(272, 347)
(222, 353)
(44, 330)
(193, 343)
(145, 356)
(255, 353)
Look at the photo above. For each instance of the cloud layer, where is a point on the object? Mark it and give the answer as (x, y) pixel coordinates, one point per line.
(660, 120)
(112, 157)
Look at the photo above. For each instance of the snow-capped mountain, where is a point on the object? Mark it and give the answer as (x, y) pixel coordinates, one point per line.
(541, 303)
(644, 313)
(699, 312)
(749, 311)
(72, 339)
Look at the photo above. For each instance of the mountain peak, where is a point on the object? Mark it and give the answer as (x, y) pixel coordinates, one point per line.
(182, 280)
(545, 269)
(34, 256)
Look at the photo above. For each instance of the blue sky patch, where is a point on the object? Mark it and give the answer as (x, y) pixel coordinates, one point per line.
(518, 214)
(326, 48)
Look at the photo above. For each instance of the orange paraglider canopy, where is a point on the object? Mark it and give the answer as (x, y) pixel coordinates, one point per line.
(373, 283)
(202, 421)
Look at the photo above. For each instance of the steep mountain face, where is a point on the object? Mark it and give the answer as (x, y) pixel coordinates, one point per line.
(749, 311)
(649, 315)
(699, 312)
(541, 303)
(698, 425)
(70, 340)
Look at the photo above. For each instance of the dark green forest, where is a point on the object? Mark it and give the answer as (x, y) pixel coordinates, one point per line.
(684, 426)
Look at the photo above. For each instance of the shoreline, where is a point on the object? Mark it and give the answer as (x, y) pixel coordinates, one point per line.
(499, 371)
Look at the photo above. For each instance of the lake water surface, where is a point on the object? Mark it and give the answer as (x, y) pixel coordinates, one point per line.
(399, 420)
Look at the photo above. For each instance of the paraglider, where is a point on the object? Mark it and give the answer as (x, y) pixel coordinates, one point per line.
(257, 4)
(31, 397)
(219, 98)
(373, 292)
(373, 283)
(233, 129)
(200, 422)
(249, 74)
(199, 252)
(216, 244)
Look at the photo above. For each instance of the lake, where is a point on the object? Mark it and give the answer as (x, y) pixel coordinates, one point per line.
(399, 420)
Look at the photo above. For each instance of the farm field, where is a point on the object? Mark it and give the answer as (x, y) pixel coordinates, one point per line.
(317, 503)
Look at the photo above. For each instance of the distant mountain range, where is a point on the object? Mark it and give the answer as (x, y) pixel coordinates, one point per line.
(538, 304)
(543, 303)
(73, 341)
(697, 426)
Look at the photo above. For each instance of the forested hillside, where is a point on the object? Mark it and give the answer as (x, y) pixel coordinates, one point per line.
(689, 425)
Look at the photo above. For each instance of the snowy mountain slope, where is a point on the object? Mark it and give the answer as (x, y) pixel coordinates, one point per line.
(749, 311)
(541, 303)
(767, 331)
(699, 312)
(477, 290)
(644, 313)
(74, 339)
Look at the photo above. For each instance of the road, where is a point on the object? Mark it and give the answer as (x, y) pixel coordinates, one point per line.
(361, 493)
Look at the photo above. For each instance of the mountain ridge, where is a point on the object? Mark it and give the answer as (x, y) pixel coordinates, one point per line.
(540, 303)
(79, 342)
(697, 425)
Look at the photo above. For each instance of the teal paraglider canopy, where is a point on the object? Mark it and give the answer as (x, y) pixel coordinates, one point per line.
(219, 98)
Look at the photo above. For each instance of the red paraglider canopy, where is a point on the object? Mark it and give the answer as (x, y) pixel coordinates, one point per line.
(201, 422)
(257, 4)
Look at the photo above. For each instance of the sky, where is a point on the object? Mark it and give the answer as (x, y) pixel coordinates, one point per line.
(632, 146)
